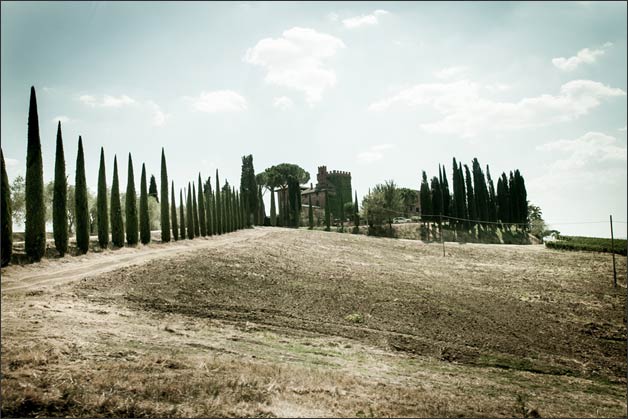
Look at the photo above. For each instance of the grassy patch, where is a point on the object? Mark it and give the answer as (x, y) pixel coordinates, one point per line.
(593, 244)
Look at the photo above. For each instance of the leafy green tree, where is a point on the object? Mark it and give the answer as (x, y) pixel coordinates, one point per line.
(173, 214)
(190, 215)
(409, 198)
(117, 225)
(538, 228)
(82, 211)
(60, 199)
(18, 199)
(278, 177)
(7, 225)
(197, 226)
(130, 207)
(219, 213)
(35, 225)
(201, 208)
(165, 219)
(383, 204)
(182, 215)
(152, 189)
(103, 212)
(144, 216)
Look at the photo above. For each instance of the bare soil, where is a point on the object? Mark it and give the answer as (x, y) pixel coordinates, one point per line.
(279, 322)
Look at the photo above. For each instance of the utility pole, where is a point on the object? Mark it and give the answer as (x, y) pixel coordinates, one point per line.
(613, 253)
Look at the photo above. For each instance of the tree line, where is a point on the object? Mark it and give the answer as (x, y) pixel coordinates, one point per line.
(203, 212)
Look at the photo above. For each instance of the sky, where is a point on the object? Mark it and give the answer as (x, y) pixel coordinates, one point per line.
(384, 90)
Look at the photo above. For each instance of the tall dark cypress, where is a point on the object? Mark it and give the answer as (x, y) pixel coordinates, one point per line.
(356, 214)
(219, 222)
(117, 224)
(503, 199)
(470, 196)
(60, 199)
(7, 223)
(201, 208)
(248, 188)
(190, 213)
(173, 214)
(273, 209)
(262, 209)
(197, 227)
(444, 184)
(425, 198)
(182, 216)
(214, 210)
(130, 207)
(165, 218)
(481, 192)
(80, 198)
(239, 211)
(101, 204)
(152, 189)
(492, 201)
(144, 218)
(455, 205)
(513, 204)
(209, 219)
(437, 199)
(327, 213)
(463, 193)
(35, 217)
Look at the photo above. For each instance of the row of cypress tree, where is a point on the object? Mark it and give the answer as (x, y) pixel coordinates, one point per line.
(215, 213)
(474, 196)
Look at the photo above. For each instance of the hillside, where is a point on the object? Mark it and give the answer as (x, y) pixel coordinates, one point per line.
(280, 322)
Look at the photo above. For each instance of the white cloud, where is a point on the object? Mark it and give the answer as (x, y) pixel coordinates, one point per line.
(584, 56)
(364, 20)
(282, 102)
(159, 117)
(590, 149)
(296, 60)
(333, 16)
(107, 101)
(623, 129)
(374, 153)
(450, 72)
(220, 101)
(11, 162)
(466, 113)
(61, 118)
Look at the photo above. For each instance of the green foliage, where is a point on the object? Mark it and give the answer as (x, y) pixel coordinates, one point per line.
(209, 207)
(165, 218)
(425, 199)
(470, 196)
(181, 216)
(248, 188)
(152, 189)
(340, 186)
(294, 199)
(356, 214)
(310, 213)
(189, 214)
(197, 226)
(144, 216)
(7, 226)
(130, 207)
(273, 210)
(594, 244)
(154, 213)
(492, 198)
(103, 212)
(82, 209)
(18, 199)
(201, 208)
(409, 198)
(437, 199)
(35, 224)
(173, 214)
(117, 224)
(481, 192)
(60, 199)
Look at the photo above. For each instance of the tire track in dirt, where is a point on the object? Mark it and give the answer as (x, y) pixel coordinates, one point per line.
(47, 275)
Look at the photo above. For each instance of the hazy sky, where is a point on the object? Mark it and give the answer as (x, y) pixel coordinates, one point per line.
(383, 90)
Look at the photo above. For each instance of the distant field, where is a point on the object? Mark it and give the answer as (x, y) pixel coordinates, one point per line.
(281, 322)
(593, 244)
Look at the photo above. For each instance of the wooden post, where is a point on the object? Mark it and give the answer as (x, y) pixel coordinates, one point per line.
(613, 253)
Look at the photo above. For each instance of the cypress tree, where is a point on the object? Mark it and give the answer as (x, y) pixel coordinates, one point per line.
(189, 213)
(35, 217)
(310, 213)
(436, 198)
(262, 209)
(327, 214)
(173, 214)
(248, 188)
(503, 199)
(117, 224)
(234, 209)
(197, 227)
(470, 196)
(144, 219)
(481, 192)
(513, 204)
(130, 207)
(164, 216)
(239, 211)
(455, 205)
(219, 222)
(101, 203)
(80, 197)
(425, 198)
(201, 208)
(181, 215)
(463, 193)
(492, 200)
(7, 224)
(446, 193)
(152, 189)
(224, 198)
(60, 199)
(214, 210)
(273, 210)
(209, 199)
(356, 214)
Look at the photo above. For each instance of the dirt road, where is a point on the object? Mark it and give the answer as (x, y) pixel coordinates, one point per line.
(52, 272)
